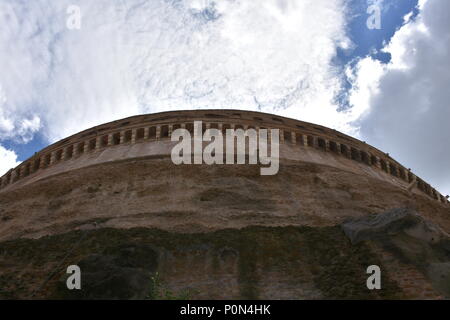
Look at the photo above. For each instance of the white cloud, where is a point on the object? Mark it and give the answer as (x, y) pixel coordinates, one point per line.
(139, 56)
(407, 102)
(14, 127)
(8, 160)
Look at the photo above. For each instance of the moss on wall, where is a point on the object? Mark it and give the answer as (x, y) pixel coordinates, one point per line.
(321, 256)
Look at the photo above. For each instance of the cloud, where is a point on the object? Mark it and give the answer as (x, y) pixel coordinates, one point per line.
(406, 103)
(8, 160)
(139, 56)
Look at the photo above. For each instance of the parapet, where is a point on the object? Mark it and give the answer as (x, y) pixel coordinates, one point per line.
(159, 126)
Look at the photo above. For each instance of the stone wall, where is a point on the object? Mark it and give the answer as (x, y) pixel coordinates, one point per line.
(156, 128)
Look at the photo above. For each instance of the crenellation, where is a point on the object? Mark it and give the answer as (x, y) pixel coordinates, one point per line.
(388, 167)
(19, 173)
(67, 153)
(305, 140)
(86, 147)
(36, 164)
(310, 141)
(103, 142)
(375, 161)
(298, 138)
(285, 136)
(309, 135)
(171, 129)
(393, 169)
(355, 154)
(364, 158)
(402, 175)
(321, 144)
(98, 143)
(152, 132)
(140, 134)
(293, 137)
(92, 144)
(411, 176)
(383, 165)
(282, 136)
(59, 155)
(434, 193)
(327, 145)
(46, 160)
(133, 136)
(158, 132)
(128, 136)
(115, 138)
(110, 139)
(14, 175)
(80, 148)
(334, 147)
(26, 169)
(429, 190)
(146, 133)
(52, 158)
(344, 150)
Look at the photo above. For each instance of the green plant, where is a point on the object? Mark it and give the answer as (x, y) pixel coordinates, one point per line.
(158, 291)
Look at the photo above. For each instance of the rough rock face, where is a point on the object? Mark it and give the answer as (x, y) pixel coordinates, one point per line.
(400, 220)
(414, 240)
(150, 229)
(250, 263)
(121, 272)
(155, 193)
(110, 200)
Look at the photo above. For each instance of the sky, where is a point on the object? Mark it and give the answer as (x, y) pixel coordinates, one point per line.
(68, 65)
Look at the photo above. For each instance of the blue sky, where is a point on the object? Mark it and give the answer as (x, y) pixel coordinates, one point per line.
(315, 61)
(365, 40)
(370, 42)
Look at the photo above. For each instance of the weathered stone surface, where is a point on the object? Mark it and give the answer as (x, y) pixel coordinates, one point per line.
(412, 240)
(122, 272)
(219, 231)
(250, 263)
(392, 222)
(157, 193)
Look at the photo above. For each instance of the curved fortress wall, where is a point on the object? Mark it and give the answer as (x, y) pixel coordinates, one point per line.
(155, 130)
